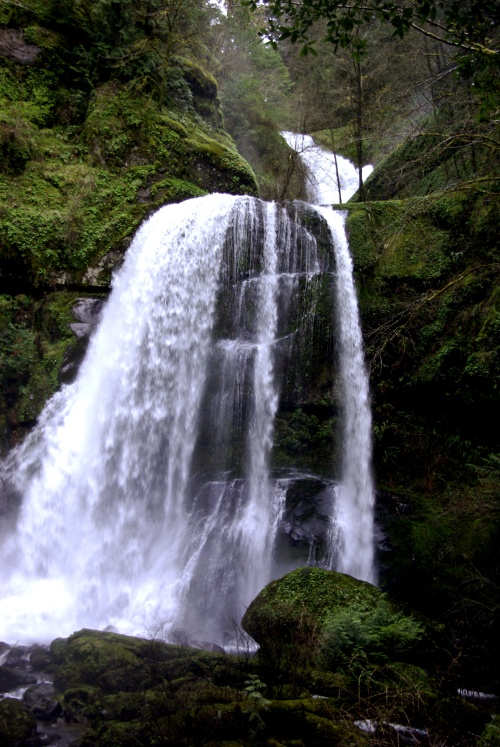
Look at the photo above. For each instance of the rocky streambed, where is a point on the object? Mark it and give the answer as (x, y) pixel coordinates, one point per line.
(340, 663)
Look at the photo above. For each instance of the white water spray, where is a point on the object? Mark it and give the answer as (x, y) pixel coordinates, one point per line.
(354, 512)
(323, 167)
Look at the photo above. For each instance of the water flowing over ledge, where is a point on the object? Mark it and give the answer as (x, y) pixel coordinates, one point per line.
(332, 179)
(353, 523)
(143, 497)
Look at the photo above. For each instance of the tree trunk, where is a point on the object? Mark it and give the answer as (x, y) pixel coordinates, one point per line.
(358, 122)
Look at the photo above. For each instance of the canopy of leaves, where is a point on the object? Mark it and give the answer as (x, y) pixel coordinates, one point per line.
(471, 27)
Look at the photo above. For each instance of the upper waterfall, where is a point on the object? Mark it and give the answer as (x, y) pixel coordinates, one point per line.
(332, 179)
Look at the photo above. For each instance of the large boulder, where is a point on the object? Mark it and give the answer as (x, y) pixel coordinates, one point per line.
(93, 658)
(315, 617)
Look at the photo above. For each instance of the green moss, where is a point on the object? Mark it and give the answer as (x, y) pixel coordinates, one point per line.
(41, 37)
(315, 619)
(16, 723)
(172, 189)
(316, 589)
(202, 83)
(401, 240)
(109, 662)
(34, 341)
(305, 439)
(491, 735)
(67, 197)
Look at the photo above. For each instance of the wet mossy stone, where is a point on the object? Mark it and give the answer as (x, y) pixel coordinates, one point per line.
(313, 590)
(57, 650)
(12, 678)
(123, 706)
(78, 697)
(107, 660)
(116, 663)
(40, 659)
(325, 618)
(16, 723)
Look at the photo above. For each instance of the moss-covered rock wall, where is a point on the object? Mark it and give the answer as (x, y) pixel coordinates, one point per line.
(88, 149)
(427, 272)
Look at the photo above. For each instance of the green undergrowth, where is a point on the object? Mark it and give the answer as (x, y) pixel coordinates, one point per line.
(123, 690)
(35, 339)
(428, 271)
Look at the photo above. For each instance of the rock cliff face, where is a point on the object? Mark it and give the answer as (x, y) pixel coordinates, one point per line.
(427, 270)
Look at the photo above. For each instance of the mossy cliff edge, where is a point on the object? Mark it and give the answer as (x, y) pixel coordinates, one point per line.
(427, 271)
(94, 137)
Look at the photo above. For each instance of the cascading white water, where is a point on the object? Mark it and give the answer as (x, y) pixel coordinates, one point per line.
(353, 525)
(256, 521)
(352, 546)
(323, 167)
(103, 523)
(145, 496)
(149, 472)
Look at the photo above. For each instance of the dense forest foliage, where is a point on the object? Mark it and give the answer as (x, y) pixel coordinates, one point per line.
(109, 109)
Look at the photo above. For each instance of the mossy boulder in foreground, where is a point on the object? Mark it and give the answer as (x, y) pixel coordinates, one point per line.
(16, 723)
(326, 618)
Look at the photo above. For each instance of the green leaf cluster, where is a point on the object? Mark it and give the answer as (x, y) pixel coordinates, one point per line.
(472, 29)
(377, 634)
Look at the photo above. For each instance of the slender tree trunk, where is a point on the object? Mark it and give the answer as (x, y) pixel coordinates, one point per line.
(336, 165)
(358, 122)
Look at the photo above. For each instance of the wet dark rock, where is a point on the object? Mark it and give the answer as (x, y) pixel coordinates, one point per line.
(40, 658)
(389, 505)
(389, 508)
(13, 46)
(306, 517)
(18, 657)
(100, 274)
(11, 679)
(87, 312)
(41, 700)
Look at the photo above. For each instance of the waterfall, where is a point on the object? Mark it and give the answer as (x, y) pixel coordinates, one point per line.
(332, 179)
(352, 544)
(144, 493)
(353, 520)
